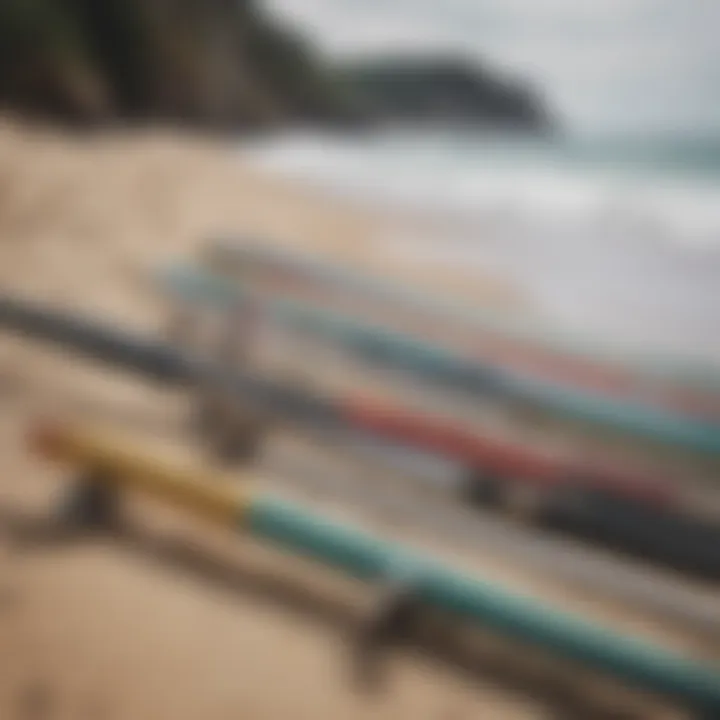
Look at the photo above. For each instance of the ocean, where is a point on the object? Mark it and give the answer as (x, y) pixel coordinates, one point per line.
(613, 241)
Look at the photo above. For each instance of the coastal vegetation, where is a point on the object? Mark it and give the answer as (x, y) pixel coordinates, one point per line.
(224, 64)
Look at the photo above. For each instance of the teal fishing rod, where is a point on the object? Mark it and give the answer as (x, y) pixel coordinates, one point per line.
(109, 461)
(244, 258)
(448, 370)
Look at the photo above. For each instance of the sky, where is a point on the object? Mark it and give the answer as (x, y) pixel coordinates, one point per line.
(604, 65)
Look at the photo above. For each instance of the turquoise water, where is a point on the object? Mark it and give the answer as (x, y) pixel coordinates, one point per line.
(689, 158)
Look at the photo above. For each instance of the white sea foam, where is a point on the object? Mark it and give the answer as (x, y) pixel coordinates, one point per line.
(621, 246)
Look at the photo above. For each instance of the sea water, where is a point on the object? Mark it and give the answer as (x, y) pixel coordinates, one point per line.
(611, 240)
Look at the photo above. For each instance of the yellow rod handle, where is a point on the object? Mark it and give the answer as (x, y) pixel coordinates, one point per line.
(135, 467)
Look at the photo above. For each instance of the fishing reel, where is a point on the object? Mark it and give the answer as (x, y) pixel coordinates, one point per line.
(223, 341)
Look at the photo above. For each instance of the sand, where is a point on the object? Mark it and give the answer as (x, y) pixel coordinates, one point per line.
(176, 620)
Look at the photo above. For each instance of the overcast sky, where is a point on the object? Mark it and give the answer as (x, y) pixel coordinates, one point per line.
(605, 65)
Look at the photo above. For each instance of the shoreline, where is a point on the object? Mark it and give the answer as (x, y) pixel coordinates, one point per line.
(611, 280)
(154, 211)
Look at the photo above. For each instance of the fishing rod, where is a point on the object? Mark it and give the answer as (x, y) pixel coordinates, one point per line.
(573, 497)
(413, 583)
(506, 339)
(447, 370)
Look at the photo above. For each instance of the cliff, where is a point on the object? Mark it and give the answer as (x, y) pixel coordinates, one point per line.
(208, 62)
(224, 64)
(444, 89)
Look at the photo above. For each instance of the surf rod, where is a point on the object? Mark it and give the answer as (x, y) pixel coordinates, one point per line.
(105, 459)
(445, 369)
(577, 498)
(505, 339)
(158, 361)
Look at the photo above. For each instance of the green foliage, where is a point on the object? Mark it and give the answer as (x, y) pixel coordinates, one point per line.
(222, 62)
(44, 59)
(24, 23)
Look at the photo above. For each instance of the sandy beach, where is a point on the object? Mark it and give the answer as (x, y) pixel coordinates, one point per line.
(179, 621)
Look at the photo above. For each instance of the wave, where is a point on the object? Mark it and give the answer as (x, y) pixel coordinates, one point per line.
(670, 191)
(619, 240)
